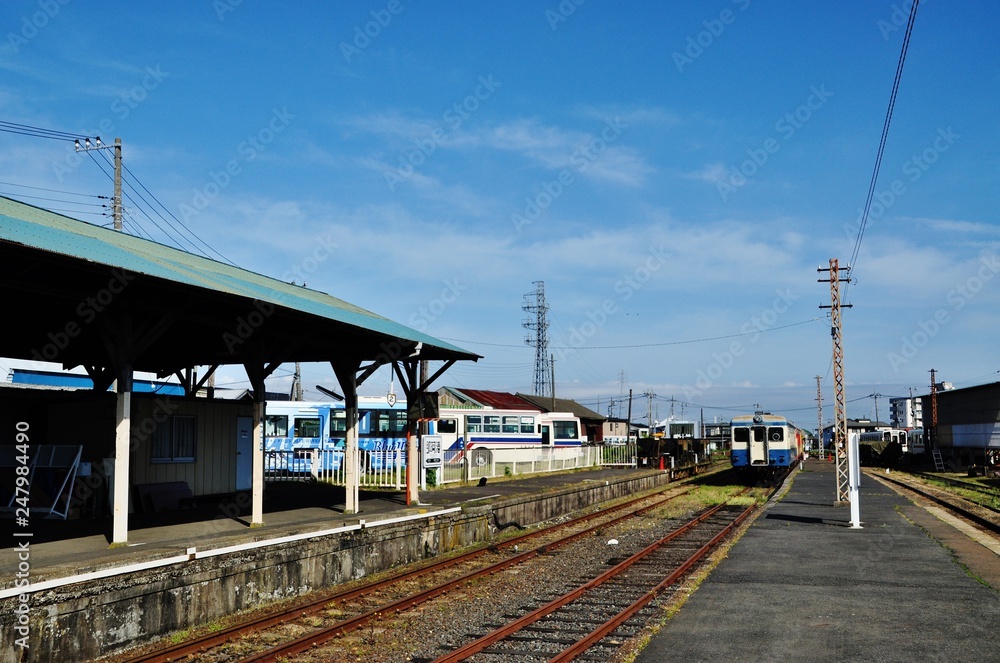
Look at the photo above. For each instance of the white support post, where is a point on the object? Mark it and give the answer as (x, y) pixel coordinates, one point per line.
(351, 455)
(854, 480)
(123, 436)
(257, 497)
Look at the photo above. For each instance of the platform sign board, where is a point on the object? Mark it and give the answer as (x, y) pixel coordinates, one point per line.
(431, 447)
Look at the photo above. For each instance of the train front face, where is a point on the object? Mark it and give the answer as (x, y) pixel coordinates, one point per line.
(763, 441)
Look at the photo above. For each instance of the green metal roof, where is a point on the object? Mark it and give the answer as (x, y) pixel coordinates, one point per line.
(43, 230)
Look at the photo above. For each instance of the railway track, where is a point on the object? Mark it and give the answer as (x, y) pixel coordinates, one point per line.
(988, 493)
(975, 512)
(373, 601)
(565, 627)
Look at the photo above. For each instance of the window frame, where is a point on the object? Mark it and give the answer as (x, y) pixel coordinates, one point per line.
(173, 427)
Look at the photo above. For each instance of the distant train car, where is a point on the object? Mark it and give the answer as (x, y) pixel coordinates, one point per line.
(887, 447)
(914, 443)
(764, 441)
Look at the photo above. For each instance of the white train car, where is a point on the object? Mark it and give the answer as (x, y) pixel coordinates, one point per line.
(478, 432)
(889, 444)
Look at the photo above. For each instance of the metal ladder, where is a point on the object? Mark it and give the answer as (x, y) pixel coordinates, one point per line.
(938, 461)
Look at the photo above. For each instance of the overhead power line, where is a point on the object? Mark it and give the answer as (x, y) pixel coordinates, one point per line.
(37, 132)
(641, 345)
(885, 133)
(172, 228)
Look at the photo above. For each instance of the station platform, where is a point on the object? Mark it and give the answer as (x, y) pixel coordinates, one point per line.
(69, 548)
(803, 585)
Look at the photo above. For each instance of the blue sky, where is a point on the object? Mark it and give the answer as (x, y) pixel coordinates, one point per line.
(673, 172)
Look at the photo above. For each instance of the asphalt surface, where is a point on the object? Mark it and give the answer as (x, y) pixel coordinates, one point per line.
(802, 585)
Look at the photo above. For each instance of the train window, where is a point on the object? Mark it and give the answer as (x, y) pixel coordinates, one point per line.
(741, 435)
(397, 421)
(510, 424)
(776, 434)
(474, 424)
(391, 421)
(886, 436)
(527, 424)
(307, 427)
(565, 430)
(491, 423)
(758, 433)
(338, 423)
(447, 426)
(276, 425)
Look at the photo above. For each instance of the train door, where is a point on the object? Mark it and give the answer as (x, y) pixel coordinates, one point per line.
(546, 434)
(758, 445)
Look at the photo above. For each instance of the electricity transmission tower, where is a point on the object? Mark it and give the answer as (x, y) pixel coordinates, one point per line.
(534, 304)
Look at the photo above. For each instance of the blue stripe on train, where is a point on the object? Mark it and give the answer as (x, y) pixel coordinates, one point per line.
(775, 457)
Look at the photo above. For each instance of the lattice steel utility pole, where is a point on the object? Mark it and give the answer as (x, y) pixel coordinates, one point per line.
(840, 441)
(931, 440)
(540, 325)
(819, 411)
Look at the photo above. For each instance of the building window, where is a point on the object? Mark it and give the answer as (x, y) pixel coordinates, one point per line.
(175, 439)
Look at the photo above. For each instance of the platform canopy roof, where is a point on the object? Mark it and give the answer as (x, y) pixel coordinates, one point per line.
(74, 292)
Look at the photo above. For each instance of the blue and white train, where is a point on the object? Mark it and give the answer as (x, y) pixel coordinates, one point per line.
(310, 437)
(764, 441)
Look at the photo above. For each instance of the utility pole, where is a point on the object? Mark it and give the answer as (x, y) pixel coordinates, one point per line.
(819, 411)
(297, 383)
(621, 391)
(932, 431)
(553, 383)
(649, 410)
(98, 145)
(876, 396)
(628, 422)
(841, 444)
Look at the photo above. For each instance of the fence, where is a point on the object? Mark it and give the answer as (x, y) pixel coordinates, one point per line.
(387, 469)
(380, 469)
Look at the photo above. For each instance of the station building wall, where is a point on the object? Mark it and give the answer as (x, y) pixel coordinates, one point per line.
(186, 439)
(967, 417)
(87, 418)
